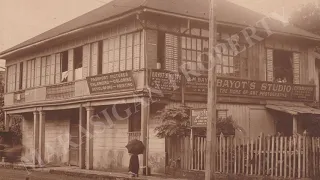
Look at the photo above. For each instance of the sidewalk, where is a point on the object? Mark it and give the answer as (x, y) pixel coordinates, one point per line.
(92, 174)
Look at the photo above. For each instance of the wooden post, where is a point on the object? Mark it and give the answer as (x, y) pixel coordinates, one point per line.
(82, 136)
(89, 139)
(36, 136)
(295, 125)
(212, 109)
(42, 127)
(145, 110)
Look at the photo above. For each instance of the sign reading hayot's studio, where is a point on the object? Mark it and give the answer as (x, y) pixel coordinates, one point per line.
(171, 81)
(113, 82)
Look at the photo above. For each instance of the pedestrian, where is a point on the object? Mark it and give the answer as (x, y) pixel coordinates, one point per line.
(134, 165)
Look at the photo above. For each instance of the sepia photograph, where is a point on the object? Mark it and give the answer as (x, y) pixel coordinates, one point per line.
(160, 89)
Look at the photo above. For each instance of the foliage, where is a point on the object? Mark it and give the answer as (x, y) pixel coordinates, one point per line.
(307, 17)
(15, 128)
(176, 123)
(173, 122)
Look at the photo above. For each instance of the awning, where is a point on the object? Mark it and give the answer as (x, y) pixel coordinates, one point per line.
(294, 110)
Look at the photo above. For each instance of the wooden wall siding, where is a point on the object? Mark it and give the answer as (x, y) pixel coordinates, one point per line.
(241, 115)
(58, 68)
(253, 62)
(27, 139)
(126, 26)
(152, 48)
(24, 78)
(70, 64)
(38, 71)
(94, 59)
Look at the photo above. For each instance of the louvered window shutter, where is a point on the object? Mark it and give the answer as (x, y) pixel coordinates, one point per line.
(296, 68)
(105, 56)
(70, 64)
(269, 65)
(58, 68)
(94, 59)
(52, 68)
(18, 77)
(38, 71)
(171, 49)
(43, 70)
(24, 75)
(85, 60)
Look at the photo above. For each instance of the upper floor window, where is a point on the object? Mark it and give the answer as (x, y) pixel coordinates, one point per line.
(31, 73)
(283, 66)
(194, 53)
(11, 81)
(122, 53)
(231, 63)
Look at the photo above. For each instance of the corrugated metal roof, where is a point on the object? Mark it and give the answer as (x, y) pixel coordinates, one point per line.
(294, 110)
(227, 12)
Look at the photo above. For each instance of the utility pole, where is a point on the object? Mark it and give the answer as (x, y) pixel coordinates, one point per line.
(212, 97)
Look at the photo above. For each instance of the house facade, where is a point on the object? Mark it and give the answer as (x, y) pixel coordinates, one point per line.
(87, 87)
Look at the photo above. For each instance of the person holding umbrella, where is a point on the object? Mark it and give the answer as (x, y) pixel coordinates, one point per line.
(135, 147)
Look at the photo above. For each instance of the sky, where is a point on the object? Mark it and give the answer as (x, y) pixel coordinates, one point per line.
(24, 19)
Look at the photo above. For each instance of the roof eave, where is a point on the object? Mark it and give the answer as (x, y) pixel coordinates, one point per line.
(85, 28)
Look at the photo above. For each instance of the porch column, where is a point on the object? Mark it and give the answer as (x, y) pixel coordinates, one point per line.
(42, 127)
(6, 121)
(35, 137)
(89, 139)
(295, 124)
(145, 110)
(82, 136)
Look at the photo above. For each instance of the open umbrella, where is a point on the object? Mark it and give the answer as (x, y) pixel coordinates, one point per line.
(135, 147)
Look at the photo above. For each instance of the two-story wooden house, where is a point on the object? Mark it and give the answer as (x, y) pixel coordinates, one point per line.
(87, 86)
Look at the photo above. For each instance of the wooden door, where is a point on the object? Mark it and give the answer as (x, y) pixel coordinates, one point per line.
(74, 143)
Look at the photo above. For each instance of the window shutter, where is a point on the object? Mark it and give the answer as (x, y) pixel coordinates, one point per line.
(142, 50)
(14, 77)
(48, 64)
(94, 59)
(18, 77)
(269, 65)
(58, 68)
(33, 72)
(123, 45)
(24, 75)
(105, 56)
(70, 64)
(85, 60)
(171, 49)
(296, 68)
(137, 50)
(29, 74)
(38, 71)
(43, 70)
(53, 68)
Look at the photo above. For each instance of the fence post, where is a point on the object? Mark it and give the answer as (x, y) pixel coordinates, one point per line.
(260, 149)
